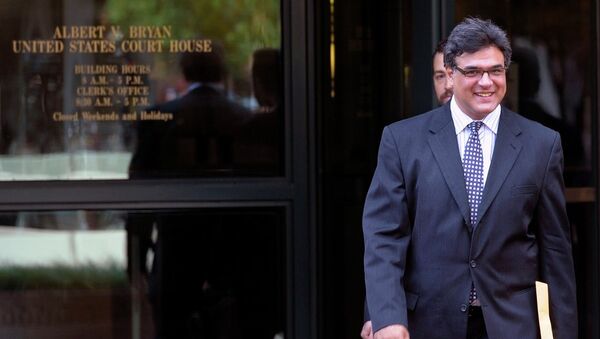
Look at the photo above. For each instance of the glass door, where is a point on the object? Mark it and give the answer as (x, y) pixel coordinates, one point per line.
(143, 147)
(553, 80)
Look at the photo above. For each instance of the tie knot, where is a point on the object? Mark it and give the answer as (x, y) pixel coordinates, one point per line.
(475, 126)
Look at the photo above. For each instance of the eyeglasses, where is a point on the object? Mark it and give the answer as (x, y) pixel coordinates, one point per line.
(477, 73)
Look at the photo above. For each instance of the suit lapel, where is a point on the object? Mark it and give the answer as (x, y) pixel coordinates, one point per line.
(506, 150)
(444, 146)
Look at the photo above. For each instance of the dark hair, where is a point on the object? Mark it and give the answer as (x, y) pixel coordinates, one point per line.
(204, 66)
(440, 47)
(266, 76)
(473, 34)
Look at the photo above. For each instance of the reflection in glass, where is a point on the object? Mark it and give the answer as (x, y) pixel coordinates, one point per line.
(63, 275)
(549, 78)
(109, 274)
(87, 110)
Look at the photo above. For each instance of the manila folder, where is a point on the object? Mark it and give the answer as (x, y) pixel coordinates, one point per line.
(543, 306)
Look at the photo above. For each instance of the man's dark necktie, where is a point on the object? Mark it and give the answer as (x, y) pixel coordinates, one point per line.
(473, 171)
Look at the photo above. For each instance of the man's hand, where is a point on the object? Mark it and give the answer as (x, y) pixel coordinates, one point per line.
(392, 332)
(367, 330)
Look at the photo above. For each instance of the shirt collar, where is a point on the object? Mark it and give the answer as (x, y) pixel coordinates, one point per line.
(461, 119)
(214, 85)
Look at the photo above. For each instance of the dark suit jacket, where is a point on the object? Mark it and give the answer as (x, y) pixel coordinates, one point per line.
(197, 142)
(421, 253)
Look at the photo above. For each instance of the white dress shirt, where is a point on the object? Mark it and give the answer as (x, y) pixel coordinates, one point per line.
(487, 133)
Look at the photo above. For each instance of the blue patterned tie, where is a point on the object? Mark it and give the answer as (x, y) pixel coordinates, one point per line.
(473, 171)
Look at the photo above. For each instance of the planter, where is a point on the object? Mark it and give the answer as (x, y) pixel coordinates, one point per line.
(63, 314)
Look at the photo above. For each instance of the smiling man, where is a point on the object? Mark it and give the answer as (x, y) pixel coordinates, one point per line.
(466, 210)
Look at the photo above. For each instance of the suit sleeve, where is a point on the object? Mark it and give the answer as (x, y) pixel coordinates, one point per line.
(386, 230)
(556, 259)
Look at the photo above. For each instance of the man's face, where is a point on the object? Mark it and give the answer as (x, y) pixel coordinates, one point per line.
(443, 90)
(479, 96)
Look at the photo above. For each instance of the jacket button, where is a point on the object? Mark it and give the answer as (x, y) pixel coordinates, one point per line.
(463, 308)
(473, 263)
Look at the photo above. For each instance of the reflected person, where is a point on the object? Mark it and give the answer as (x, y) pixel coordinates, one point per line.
(529, 81)
(199, 140)
(260, 146)
(466, 211)
(189, 290)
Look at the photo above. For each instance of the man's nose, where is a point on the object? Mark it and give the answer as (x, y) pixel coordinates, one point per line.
(447, 84)
(485, 79)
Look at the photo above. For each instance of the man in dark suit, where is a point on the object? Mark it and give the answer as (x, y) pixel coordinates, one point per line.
(190, 287)
(205, 124)
(466, 210)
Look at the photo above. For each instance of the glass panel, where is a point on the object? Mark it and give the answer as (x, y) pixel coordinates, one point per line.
(116, 89)
(550, 79)
(366, 90)
(217, 273)
(584, 244)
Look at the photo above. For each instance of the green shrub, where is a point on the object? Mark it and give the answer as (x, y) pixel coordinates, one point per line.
(14, 278)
